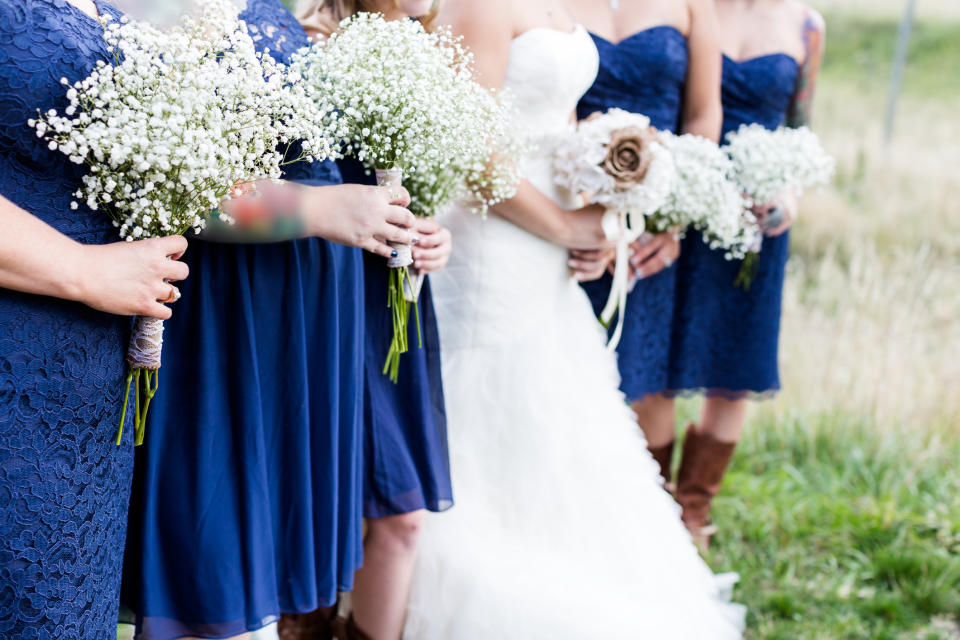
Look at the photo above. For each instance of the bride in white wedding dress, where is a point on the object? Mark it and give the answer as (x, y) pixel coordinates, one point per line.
(561, 528)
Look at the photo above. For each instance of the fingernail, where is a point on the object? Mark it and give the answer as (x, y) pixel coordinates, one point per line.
(414, 240)
(572, 264)
(394, 254)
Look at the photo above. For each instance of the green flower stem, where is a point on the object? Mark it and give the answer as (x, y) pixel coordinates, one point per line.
(400, 310)
(748, 271)
(145, 382)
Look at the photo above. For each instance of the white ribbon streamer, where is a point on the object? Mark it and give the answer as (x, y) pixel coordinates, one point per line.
(617, 226)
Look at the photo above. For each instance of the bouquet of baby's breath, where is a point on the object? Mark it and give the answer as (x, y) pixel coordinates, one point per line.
(618, 159)
(705, 198)
(479, 181)
(170, 128)
(410, 106)
(768, 163)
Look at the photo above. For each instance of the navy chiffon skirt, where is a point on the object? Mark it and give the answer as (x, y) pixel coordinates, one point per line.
(248, 493)
(407, 467)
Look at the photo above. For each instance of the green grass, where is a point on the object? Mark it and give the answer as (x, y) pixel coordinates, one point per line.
(860, 51)
(841, 532)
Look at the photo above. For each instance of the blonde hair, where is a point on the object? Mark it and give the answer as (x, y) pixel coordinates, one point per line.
(325, 15)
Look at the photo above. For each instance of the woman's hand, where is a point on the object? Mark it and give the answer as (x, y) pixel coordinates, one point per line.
(435, 245)
(130, 278)
(653, 253)
(590, 265)
(360, 216)
(776, 217)
(583, 229)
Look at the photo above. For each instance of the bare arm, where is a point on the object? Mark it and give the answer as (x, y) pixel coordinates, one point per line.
(814, 41)
(124, 278)
(488, 32)
(702, 109)
(354, 215)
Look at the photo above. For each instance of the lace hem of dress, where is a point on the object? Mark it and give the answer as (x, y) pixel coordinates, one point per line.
(726, 394)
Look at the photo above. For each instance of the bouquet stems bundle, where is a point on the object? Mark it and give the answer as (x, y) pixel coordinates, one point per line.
(409, 105)
(768, 163)
(170, 129)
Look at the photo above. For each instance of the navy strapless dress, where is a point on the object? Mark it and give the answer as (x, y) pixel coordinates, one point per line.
(64, 483)
(645, 73)
(248, 492)
(407, 466)
(725, 339)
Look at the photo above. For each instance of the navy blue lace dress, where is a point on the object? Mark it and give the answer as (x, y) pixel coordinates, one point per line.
(64, 483)
(644, 73)
(406, 462)
(248, 496)
(725, 339)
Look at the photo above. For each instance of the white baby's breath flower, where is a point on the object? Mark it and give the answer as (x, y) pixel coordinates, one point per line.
(183, 116)
(404, 98)
(767, 163)
(704, 197)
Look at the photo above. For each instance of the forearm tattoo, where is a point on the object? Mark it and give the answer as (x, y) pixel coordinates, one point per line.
(799, 113)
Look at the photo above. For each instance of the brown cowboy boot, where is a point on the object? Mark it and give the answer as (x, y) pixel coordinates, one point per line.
(316, 625)
(702, 467)
(664, 457)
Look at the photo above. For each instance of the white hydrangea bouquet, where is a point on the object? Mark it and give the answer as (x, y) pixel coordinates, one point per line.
(409, 103)
(768, 163)
(175, 125)
(705, 197)
(617, 159)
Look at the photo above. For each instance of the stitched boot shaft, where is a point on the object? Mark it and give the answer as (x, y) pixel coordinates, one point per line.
(316, 625)
(702, 467)
(664, 457)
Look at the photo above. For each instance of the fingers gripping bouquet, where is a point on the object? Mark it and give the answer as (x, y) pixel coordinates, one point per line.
(410, 107)
(617, 160)
(172, 127)
(767, 164)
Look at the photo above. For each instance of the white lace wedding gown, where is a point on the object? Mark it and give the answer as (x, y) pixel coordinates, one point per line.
(561, 529)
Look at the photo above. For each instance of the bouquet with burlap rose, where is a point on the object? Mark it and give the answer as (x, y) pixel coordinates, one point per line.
(616, 159)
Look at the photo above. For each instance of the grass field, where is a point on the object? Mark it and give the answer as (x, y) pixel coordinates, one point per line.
(842, 512)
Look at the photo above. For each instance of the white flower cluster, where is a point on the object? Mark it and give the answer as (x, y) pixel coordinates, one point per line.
(407, 98)
(705, 198)
(579, 158)
(180, 118)
(767, 163)
(480, 181)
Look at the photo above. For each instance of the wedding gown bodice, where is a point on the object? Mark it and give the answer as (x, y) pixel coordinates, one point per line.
(547, 73)
(509, 268)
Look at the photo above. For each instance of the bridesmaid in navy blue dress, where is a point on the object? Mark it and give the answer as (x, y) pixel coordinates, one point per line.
(725, 338)
(659, 58)
(64, 482)
(248, 496)
(406, 465)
